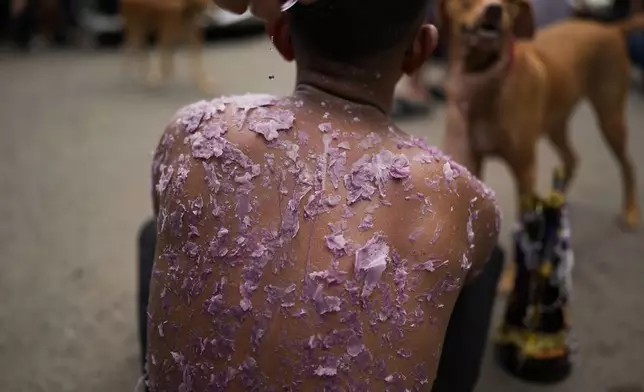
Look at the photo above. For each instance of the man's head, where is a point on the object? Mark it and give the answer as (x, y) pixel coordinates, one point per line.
(358, 33)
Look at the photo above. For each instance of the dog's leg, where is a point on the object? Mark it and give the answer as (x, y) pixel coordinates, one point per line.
(169, 25)
(613, 127)
(136, 31)
(525, 176)
(560, 140)
(195, 35)
(609, 97)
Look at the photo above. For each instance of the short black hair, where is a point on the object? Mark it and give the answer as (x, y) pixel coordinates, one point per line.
(350, 30)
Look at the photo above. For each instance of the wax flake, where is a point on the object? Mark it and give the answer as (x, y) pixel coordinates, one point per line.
(290, 219)
(336, 244)
(315, 205)
(470, 230)
(417, 317)
(466, 264)
(178, 358)
(367, 223)
(182, 173)
(371, 262)
(430, 265)
(333, 201)
(268, 123)
(193, 231)
(427, 158)
(400, 167)
(344, 145)
(245, 304)
(437, 233)
(326, 371)
(325, 127)
(449, 172)
(421, 374)
(303, 138)
(370, 141)
(381, 368)
(339, 338)
(355, 349)
(353, 289)
(359, 181)
(404, 143)
(222, 380)
(337, 160)
(249, 373)
(192, 116)
(292, 152)
(327, 304)
(164, 179)
(330, 276)
(196, 205)
(280, 295)
(258, 330)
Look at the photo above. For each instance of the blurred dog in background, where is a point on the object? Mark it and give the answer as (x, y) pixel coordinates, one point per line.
(170, 20)
(547, 75)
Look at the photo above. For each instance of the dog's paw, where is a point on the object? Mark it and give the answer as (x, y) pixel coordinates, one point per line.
(506, 283)
(630, 219)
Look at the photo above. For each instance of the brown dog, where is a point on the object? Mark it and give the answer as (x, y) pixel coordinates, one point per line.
(170, 20)
(547, 75)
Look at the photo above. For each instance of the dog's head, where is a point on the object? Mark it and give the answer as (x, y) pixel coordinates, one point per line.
(484, 28)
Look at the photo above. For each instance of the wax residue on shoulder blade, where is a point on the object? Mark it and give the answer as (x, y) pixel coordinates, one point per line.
(371, 173)
(371, 261)
(268, 122)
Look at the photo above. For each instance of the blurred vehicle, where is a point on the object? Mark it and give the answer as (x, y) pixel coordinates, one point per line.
(101, 18)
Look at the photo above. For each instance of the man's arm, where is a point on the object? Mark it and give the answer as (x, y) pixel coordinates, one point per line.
(483, 219)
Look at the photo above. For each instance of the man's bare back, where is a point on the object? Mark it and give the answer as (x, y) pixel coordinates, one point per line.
(306, 244)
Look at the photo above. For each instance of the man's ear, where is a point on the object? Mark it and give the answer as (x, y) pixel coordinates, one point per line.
(421, 48)
(280, 33)
(523, 24)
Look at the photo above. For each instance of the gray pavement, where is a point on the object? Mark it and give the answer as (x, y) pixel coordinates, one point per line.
(75, 144)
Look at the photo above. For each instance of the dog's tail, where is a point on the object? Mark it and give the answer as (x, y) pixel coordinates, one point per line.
(632, 24)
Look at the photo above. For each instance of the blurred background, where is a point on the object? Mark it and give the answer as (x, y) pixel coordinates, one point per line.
(77, 133)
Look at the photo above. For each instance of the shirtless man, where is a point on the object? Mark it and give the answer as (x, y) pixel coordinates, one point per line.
(305, 243)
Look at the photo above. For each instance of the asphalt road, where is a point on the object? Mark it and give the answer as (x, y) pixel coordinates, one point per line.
(75, 149)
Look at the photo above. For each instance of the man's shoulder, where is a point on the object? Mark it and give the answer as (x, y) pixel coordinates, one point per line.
(190, 117)
(433, 169)
(207, 124)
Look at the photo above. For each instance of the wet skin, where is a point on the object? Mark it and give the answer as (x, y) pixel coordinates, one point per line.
(305, 243)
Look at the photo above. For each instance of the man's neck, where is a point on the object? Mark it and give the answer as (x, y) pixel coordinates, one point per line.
(366, 88)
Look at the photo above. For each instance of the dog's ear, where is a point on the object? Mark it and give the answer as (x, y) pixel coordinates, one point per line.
(523, 24)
